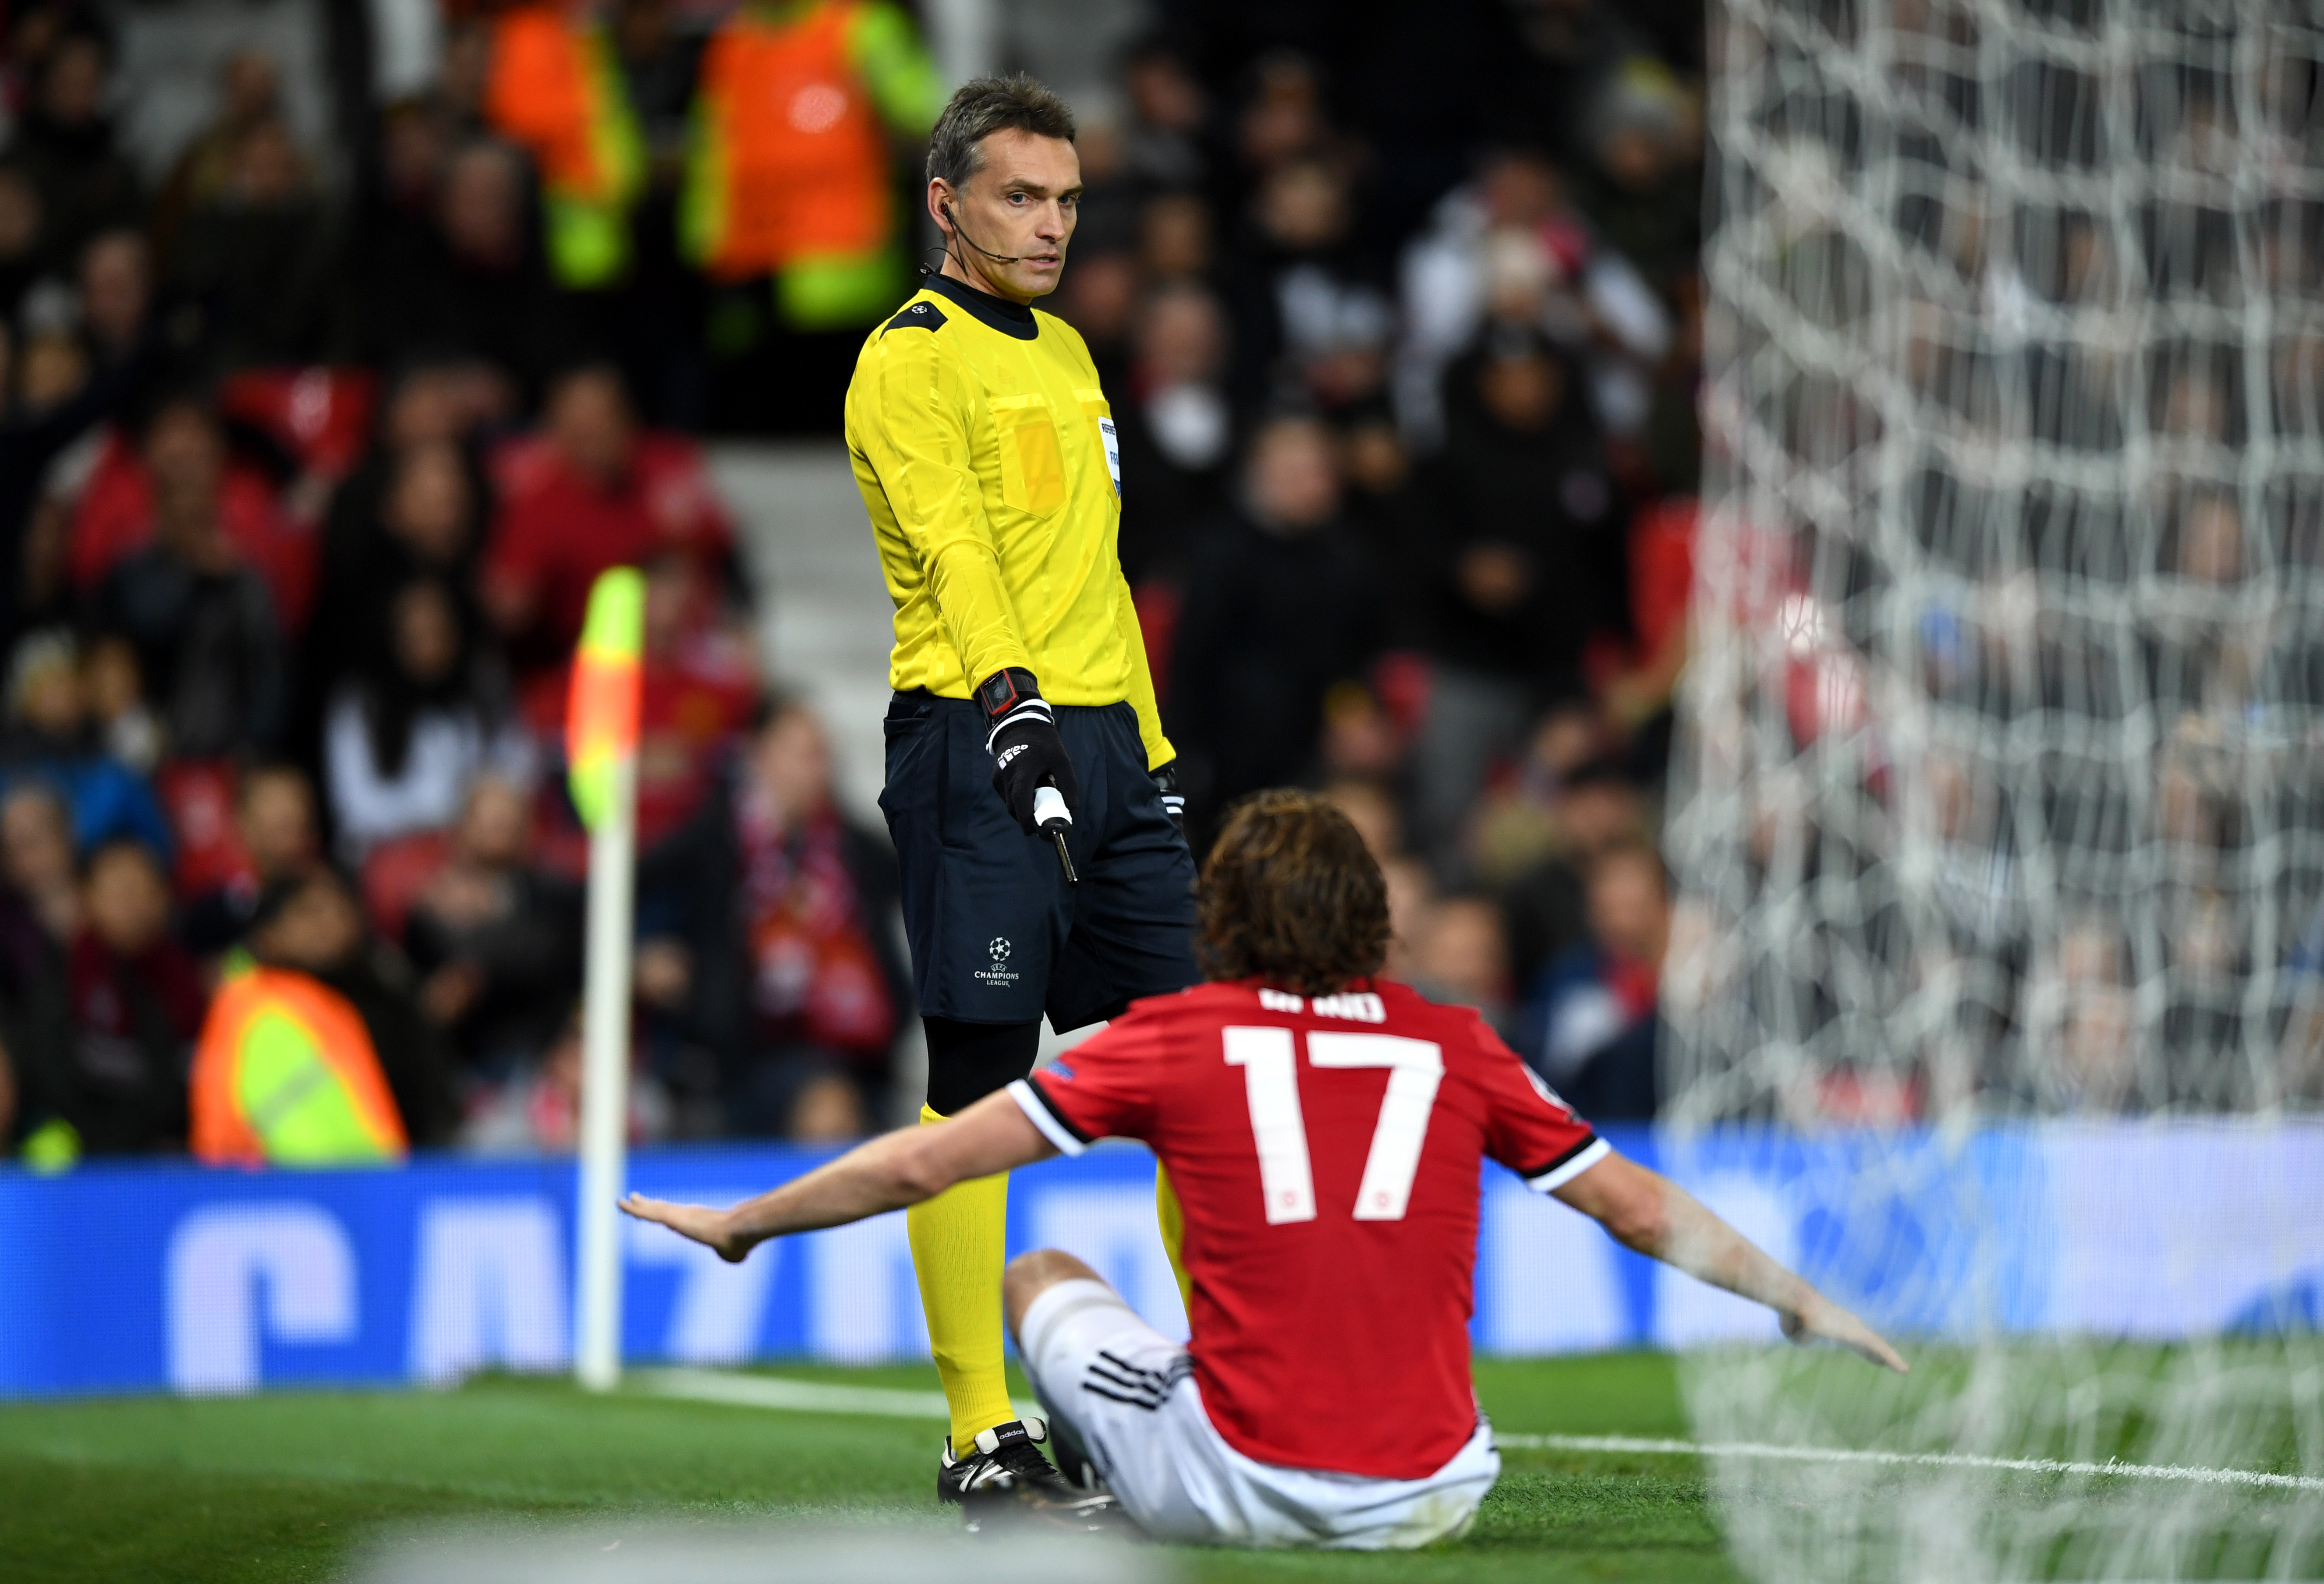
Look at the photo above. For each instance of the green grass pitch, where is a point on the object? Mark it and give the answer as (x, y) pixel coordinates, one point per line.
(281, 1488)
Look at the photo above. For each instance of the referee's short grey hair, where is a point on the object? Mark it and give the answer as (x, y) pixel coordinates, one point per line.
(987, 105)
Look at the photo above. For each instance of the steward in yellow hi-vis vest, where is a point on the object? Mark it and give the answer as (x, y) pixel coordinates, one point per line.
(285, 1076)
(1030, 789)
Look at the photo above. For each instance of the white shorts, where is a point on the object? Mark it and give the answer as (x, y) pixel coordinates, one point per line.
(1129, 1395)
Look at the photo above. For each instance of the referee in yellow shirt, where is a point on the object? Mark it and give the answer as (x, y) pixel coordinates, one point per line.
(985, 452)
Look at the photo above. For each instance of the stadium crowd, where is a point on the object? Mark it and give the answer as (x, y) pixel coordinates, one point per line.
(308, 456)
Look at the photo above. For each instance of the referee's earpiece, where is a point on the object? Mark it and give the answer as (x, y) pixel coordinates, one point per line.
(1002, 258)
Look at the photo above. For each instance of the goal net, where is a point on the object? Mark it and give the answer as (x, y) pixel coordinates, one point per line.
(1998, 810)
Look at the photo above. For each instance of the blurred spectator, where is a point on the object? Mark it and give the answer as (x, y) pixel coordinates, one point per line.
(2302, 1077)
(1595, 809)
(404, 741)
(36, 853)
(470, 282)
(1373, 812)
(106, 1051)
(1310, 318)
(771, 940)
(1386, 512)
(117, 292)
(249, 92)
(1176, 433)
(1362, 736)
(1460, 957)
(1411, 893)
(2098, 1066)
(697, 691)
(1645, 179)
(1672, 444)
(49, 739)
(495, 939)
(1112, 196)
(539, 1111)
(22, 254)
(1529, 561)
(428, 416)
(395, 227)
(259, 258)
(412, 513)
(182, 473)
(1522, 821)
(48, 405)
(1593, 1018)
(1281, 606)
(1509, 249)
(592, 491)
(204, 624)
(1283, 119)
(126, 725)
(1163, 146)
(316, 1056)
(1099, 299)
(1174, 240)
(64, 142)
(279, 838)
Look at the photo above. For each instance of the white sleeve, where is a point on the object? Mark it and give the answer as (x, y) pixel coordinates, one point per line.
(362, 802)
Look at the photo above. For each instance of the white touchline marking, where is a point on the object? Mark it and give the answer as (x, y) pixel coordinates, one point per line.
(811, 1397)
(800, 1396)
(1746, 1448)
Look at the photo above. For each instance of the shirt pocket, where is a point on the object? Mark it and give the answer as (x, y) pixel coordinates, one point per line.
(1032, 465)
(1097, 412)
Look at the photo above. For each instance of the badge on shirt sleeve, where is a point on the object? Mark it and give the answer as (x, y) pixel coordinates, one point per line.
(1113, 452)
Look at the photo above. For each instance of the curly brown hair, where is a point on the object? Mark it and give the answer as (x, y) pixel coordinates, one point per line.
(1291, 896)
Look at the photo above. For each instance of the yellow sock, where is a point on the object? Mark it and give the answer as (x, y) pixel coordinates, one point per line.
(1172, 1222)
(959, 1244)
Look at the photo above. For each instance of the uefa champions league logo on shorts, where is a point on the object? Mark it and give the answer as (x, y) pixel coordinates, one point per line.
(998, 974)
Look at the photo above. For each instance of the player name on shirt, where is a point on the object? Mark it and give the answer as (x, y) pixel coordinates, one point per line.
(1357, 1006)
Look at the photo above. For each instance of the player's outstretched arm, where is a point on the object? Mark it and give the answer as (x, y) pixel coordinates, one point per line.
(891, 1172)
(1655, 1216)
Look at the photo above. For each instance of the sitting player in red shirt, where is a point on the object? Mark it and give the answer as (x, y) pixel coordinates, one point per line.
(1323, 1129)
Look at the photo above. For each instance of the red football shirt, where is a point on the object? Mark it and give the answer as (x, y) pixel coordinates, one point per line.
(1326, 1154)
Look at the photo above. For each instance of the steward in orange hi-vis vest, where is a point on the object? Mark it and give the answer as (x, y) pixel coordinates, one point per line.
(790, 175)
(285, 1076)
(555, 86)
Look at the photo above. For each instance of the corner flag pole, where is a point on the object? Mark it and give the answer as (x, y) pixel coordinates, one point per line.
(601, 749)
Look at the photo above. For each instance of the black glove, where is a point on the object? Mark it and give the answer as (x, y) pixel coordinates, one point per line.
(1022, 735)
(1173, 802)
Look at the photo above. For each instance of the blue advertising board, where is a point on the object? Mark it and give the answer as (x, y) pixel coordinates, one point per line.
(142, 1277)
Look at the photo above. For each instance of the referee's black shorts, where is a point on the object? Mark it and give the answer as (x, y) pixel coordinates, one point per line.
(997, 934)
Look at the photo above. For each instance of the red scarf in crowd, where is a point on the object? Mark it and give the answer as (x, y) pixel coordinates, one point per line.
(814, 975)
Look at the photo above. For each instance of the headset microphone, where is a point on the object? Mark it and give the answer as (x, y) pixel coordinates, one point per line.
(1002, 258)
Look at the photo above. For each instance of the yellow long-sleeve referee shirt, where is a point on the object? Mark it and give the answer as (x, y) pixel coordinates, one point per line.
(985, 453)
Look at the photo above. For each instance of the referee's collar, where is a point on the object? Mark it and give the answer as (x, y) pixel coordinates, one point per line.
(1010, 318)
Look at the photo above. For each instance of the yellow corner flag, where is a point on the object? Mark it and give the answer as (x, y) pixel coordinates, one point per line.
(600, 719)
